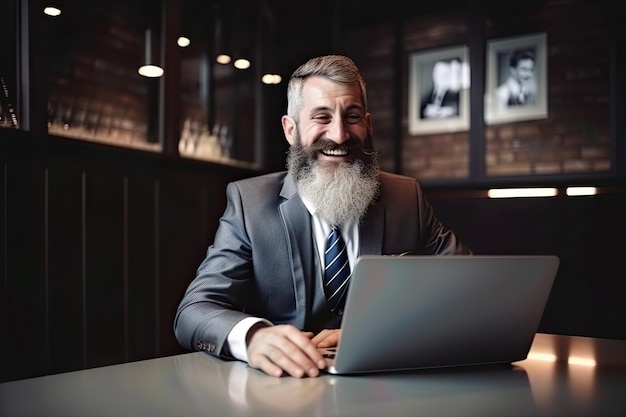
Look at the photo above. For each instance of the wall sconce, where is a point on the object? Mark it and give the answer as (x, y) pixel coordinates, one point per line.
(522, 192)
(581, 191)
(150, 68)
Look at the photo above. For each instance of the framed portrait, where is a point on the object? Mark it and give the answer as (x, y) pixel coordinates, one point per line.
(438, 91)
(517, 81)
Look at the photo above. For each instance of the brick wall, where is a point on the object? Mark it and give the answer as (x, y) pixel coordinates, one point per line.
(574, 138)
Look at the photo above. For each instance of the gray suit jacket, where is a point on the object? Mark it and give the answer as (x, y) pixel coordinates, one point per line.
(263, 261)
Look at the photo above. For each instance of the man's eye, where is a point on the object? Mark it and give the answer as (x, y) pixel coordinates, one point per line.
(354, 118)
(322, 118)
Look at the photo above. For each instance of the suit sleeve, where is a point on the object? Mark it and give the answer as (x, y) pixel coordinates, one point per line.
(215, 300)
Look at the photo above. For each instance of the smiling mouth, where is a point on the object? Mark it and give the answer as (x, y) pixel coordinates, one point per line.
(335, 152)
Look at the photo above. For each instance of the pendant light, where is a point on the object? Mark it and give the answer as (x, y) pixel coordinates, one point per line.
(150, 67)
(222, 56)
(267, 56)
(52, 8)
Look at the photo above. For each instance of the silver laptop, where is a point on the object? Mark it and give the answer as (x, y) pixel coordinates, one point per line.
(415, 312)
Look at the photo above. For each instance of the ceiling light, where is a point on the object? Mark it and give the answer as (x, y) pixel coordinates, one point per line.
(223, 59)
(271, 79)
(241, 63)
(183, 41)
(52, 11)
(150, 71)
(150, 68)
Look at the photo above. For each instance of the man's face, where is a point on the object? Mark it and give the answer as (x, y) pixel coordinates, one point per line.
(332, 122)
(525, 69)
(331, 156)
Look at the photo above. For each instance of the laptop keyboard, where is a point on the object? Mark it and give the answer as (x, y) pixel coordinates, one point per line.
(329, 353)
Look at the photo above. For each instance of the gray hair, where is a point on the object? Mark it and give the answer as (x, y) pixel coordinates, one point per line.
(336, 68)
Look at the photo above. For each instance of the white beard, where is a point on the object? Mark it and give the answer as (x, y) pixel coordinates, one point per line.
(340, 192)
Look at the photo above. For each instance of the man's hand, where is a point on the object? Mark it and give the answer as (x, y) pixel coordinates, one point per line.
(327, 338)
(284, 348)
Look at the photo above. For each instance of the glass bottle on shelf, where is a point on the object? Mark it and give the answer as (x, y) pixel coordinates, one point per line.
(8, 116)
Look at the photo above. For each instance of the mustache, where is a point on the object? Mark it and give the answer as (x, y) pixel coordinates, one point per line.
(351, 146)
(329, 145)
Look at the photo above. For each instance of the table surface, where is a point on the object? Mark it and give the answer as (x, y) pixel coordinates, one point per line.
(562, 376)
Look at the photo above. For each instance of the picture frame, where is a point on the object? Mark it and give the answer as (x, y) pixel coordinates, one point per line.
(438, 99)
(517, 82)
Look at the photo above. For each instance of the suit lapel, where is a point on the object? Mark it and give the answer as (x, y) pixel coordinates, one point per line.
(372, 230)
(298, 226)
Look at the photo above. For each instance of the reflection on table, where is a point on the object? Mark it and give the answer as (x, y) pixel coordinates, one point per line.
(562, 376)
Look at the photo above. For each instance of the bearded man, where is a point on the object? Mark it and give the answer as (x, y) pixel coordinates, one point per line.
(259, 295)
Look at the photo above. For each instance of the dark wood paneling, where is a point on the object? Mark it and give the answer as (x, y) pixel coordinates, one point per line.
(141, 264)
(64, 244)
(104, 248)
(98, 245)
(3, 273)
(181, 244)
(25, 287)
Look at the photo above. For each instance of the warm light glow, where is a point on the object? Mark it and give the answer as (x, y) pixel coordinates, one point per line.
(573, 360)
(546, 357)
(521, 192)
(223, 59)
(52, 11)
(241, 63)
(151, 71)
(577, 191)
(183, 41)
(271, 79)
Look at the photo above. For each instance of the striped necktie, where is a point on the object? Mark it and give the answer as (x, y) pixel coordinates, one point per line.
(337, 271)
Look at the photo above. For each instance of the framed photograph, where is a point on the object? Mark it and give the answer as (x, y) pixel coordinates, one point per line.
(438, 91)
(517, 84)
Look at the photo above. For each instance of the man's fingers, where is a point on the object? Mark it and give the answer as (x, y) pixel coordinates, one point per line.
(267, 366)
(276, 361)
(326, 338)
(305, 354)
(284, 348)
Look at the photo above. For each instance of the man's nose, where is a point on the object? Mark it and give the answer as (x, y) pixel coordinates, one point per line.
(337, 131)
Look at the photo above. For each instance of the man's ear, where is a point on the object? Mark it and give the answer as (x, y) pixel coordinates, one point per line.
(289, 128)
